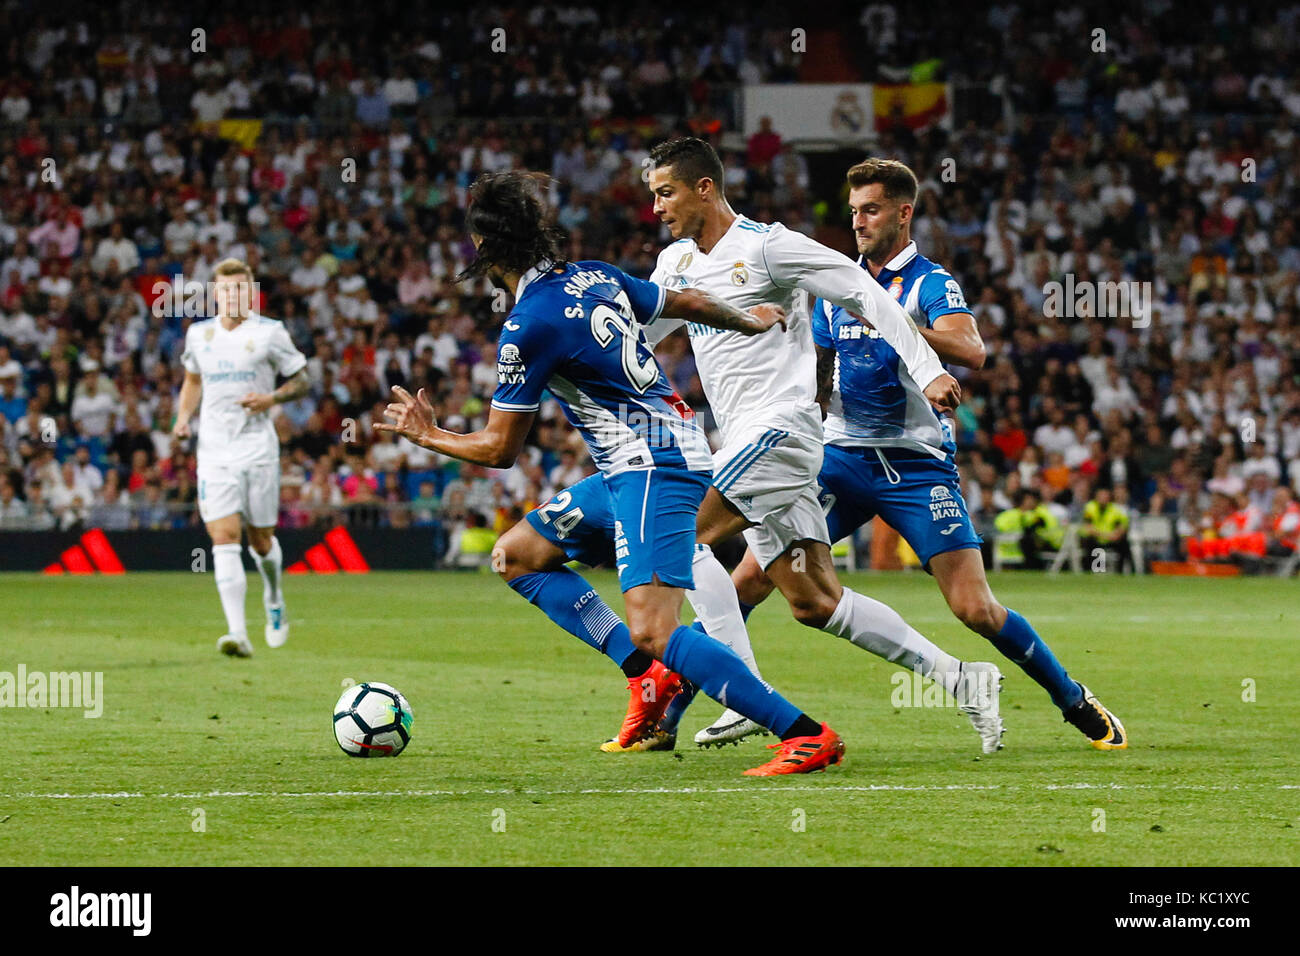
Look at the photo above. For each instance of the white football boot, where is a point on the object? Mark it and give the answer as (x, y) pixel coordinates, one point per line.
(277, 625)
(978, 690)
(235, 645)
(730, 728)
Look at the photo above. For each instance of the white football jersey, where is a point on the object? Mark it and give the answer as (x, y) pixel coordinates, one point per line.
(771, 379)
(233, 363)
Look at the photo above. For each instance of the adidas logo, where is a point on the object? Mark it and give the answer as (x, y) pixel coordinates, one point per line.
(337, 552)
(94, 553)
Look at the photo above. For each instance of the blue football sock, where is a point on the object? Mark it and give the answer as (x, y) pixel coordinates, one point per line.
(673, 715)
(677, 706)
(559, 593)
(718, 671)
(1019, 642)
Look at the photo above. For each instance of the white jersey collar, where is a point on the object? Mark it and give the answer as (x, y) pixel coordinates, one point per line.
(247, 319)
(540, 269)
(903, 258)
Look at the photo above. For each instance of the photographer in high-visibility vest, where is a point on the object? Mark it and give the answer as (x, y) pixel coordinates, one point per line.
(1038, 528)
(1105, 526)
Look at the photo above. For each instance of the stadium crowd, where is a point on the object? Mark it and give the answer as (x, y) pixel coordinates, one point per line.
(335, 160)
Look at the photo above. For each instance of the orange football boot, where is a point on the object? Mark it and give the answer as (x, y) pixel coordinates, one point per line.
(650, 696)
(802, 755)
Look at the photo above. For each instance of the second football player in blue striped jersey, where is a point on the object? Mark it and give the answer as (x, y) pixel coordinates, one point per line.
(889, 454)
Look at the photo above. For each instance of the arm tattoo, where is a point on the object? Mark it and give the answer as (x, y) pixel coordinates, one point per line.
(295, 388)
(721, 314)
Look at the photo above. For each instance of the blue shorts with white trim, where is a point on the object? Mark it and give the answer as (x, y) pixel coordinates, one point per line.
(654, 525)
(641, 522)
(918, 495)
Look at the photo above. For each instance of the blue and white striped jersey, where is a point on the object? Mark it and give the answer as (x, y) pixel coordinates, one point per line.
(875, 402)
(577, 332)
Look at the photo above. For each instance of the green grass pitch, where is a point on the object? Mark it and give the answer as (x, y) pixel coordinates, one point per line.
(203, 760)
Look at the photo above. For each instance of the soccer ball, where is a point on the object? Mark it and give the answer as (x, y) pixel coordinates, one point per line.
(372, 720)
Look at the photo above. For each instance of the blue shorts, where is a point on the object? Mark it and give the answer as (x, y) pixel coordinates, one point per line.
(918, 495)
(579, 521)
(642, 522)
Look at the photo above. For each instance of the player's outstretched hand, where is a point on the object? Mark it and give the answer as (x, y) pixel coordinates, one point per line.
(768, 315)
(412, 417)
(944, 393)
(181, 430)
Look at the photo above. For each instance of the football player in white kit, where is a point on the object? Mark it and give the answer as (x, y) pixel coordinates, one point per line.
(762, 390)
(231, 362)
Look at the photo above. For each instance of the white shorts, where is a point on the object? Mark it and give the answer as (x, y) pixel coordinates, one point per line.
(770, 476)
(250, 490)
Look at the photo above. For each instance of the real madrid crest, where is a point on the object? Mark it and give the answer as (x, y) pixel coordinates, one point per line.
(739, 274)
(684, 261)
(248, 346)
(208, 333)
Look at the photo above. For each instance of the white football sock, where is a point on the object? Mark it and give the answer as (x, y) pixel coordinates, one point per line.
(878, 628)
(717, 606)
(232, 585)
(268, 565)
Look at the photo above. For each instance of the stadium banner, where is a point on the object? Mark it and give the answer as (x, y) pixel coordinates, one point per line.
(338, 550)
(845, 111)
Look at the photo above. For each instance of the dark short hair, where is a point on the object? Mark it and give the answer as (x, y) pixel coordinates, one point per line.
(897, 178)
(516, 225)
(692, 159)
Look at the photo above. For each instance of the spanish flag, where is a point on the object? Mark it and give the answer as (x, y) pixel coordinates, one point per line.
(911, 105)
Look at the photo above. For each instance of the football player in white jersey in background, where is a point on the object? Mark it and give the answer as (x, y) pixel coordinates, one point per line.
(763, 390)
(231, 363)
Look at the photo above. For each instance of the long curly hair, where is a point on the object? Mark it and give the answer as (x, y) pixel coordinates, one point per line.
(517, 227)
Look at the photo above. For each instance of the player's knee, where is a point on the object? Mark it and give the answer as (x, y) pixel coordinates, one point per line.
(510, 557)
(506, 562)
(979, 613)
(813, 610)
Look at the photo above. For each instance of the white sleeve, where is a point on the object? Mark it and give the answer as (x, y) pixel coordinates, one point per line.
(188, 358)
(795, 261)
(284, 355)
(663, 326)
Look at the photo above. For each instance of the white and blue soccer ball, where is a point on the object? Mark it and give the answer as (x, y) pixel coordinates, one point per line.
(372, 720)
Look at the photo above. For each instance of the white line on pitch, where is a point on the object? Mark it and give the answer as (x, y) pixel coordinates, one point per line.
(868, 788)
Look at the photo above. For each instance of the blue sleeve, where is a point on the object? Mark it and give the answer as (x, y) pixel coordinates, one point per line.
(527, 355)
(821, 324)
(647, 298)
(940, 295)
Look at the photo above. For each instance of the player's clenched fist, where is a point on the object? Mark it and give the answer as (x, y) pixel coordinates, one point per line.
(944, 393)
(412, 417)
